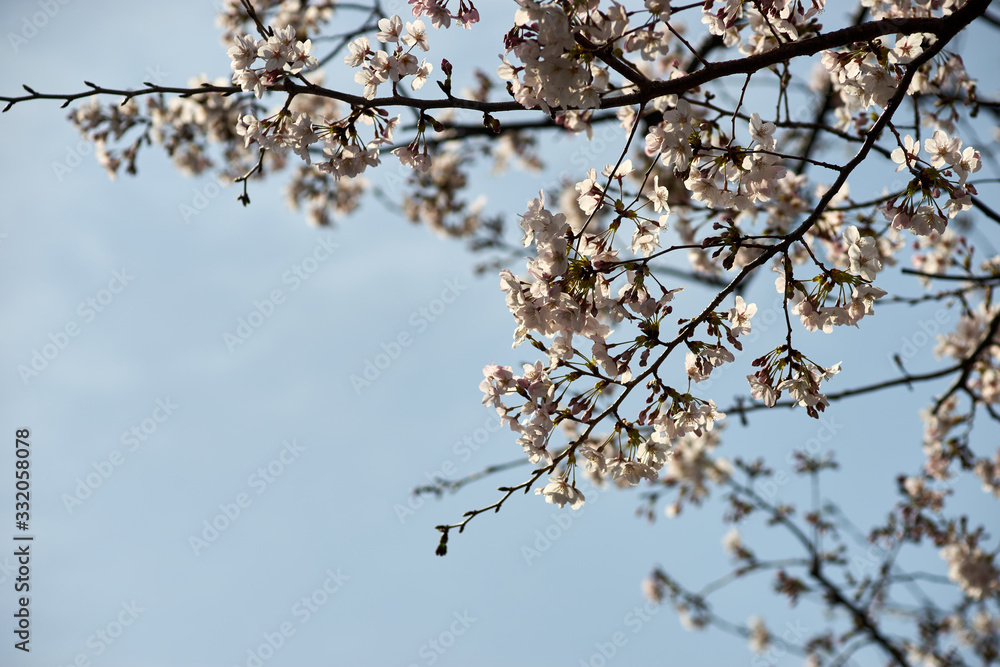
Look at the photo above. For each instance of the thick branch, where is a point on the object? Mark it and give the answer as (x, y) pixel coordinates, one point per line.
(944, 28)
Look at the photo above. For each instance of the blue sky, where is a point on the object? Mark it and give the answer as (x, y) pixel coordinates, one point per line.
(303, 476)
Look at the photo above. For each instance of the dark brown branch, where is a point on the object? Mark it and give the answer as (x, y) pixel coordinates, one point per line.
(944, 28)
(942, 276)
(623, 67)
(985, 210)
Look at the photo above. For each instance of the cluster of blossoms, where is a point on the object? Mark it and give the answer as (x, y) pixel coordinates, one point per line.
(184, 126)
(569, 294)
(802, 382)
(983, 382)
(283, 55)
(969, 566)
(897, 9)
(704, 357)
(974, 342)
(787, 369)
(534, 419)
(593, 196)
(555, 44)
(554, 71)
(781, 20)
(752, 174)
(972, 569)
(346, 156)
(377, 67)
(869, 74)
(946, 171)
(441, 17)
(852, 294)
(976, 629)
(305, 20)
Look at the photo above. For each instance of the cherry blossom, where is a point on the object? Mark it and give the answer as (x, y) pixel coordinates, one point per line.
(416, 35)
(907, 154)
(943, 149)
(972, 569)
(863, 253)
(762, 132)
(740, 316)
(560, 492)
(389, 29)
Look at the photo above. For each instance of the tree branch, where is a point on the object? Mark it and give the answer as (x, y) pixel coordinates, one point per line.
(944, 28)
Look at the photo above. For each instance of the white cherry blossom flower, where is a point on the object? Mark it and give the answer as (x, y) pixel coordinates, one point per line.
(739, 316)
(389, 29)
(244, 52)
(402, 66)
(630, 472)
(661, 8)
(863, 253)
(732, 542)
(907, 48)
(762, 391)
(658, 196)
(560, 492)
(760, 638)
(591, 193)
(907, 154)
(420, 76)
(619, 172)
(370, 78)
(863, 301)
(359, 50)
(249, 128)
(594, 459)
(968, 163)
(761, 132)
(275, 49)
(248, 80)
(654, 453)
(943, 149)
(299, 59)
(416, 35)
